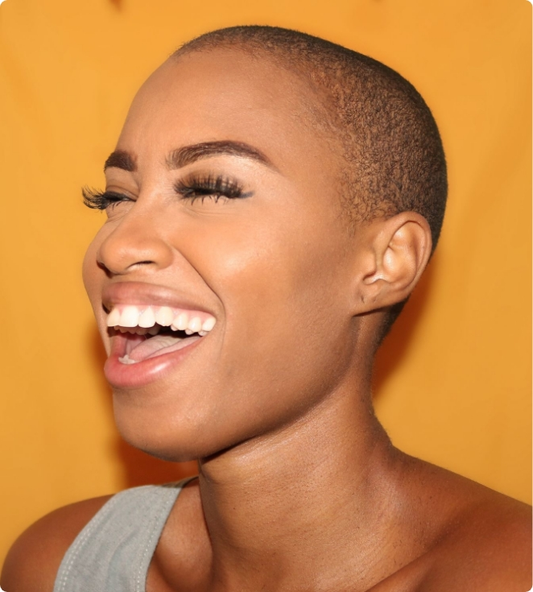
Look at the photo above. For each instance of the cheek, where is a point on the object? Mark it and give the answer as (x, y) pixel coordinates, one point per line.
(284, 300)
(278, 273)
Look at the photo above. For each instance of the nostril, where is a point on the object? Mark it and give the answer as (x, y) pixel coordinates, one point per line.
(112, 268)
(103, 266)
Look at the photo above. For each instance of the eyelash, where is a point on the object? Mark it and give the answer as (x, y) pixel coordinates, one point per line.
(101, 200)
(193, 188)
(216, 188)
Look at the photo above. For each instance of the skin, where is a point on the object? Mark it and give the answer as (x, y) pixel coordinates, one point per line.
(299, 486)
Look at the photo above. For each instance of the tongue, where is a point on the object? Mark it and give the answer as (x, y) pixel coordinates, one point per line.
(158, 345)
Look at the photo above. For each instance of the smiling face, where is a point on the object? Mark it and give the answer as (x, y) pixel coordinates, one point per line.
(226, 212)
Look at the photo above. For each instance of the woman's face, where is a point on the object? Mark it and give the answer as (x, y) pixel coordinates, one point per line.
(243, 230)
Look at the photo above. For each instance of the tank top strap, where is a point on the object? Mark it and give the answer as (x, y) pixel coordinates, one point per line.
(114, 550)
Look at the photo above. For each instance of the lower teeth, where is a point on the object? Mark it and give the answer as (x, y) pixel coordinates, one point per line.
(126, 360)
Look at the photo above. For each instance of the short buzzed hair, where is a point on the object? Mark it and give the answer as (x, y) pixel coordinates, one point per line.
(393, 154)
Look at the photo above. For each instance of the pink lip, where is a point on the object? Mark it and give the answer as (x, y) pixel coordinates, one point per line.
(142, 373)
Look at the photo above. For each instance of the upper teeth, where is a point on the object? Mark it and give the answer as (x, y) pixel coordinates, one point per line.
(145, 319)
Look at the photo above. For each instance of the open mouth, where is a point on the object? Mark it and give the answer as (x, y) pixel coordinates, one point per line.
(144, 332)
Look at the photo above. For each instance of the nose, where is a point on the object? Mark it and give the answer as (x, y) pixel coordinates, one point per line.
(136, 244)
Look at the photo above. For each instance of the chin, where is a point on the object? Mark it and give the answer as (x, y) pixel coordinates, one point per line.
(167, 438)
(174, 451)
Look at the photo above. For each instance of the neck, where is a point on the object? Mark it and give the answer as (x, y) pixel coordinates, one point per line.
(287, 499)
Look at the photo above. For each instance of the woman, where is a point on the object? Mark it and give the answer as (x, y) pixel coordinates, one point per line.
(272, 202)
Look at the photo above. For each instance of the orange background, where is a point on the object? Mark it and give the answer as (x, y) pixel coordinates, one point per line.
(453, 381)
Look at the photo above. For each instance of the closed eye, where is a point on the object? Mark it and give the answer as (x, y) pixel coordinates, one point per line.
(209, 187)
(102, 200)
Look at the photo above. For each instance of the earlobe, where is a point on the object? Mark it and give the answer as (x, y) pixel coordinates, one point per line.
(398, 251)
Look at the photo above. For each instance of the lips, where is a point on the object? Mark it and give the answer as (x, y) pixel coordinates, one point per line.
(150, 328)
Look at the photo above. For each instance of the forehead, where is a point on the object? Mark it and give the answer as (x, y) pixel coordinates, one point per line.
(227, 94)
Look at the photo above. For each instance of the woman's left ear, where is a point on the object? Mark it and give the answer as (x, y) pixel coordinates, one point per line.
(394, 254)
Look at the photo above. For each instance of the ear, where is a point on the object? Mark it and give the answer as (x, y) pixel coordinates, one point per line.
(395, 252)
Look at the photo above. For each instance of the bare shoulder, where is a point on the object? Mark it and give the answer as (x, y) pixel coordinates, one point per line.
(32, 562)
(485, 545)
(489, 546)
(459, 535)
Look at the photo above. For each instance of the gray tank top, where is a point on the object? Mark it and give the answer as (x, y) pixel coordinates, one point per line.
(114, 550)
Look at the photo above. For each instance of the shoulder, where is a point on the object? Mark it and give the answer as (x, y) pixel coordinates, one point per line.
(472, 537)
(488, 545)
(33, 561)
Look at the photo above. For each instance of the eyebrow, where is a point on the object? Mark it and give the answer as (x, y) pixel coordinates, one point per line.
(188, 154)
(121, 159)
